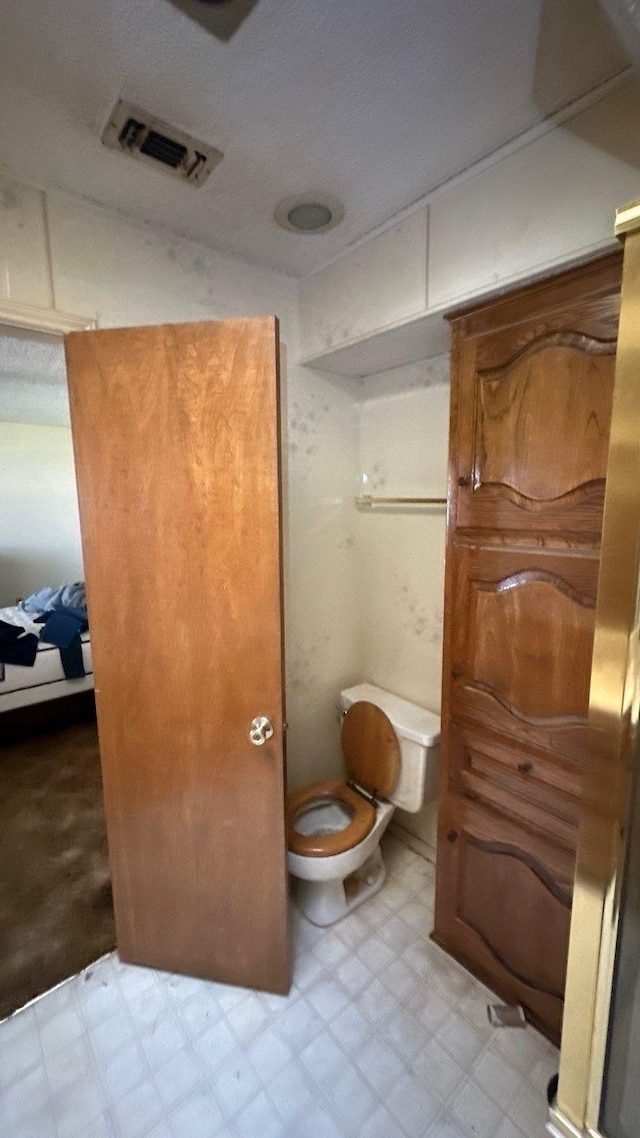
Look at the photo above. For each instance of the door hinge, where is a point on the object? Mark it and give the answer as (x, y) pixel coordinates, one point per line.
(369, 796)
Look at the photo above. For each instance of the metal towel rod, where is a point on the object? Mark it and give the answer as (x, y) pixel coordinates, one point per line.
(371, 500)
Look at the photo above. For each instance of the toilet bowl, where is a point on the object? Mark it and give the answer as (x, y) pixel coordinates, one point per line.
(334, 828)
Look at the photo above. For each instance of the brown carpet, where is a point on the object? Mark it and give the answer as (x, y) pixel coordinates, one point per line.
(56, 912)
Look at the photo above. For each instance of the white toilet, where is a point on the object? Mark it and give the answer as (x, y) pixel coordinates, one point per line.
(334, 828)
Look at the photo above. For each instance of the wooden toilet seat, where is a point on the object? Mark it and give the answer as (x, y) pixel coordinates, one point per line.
(326, 845)
(372, 757)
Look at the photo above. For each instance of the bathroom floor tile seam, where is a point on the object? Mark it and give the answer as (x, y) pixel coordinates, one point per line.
(127, 1052)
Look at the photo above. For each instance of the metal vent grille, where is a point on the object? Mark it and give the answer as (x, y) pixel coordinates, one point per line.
(138, 133)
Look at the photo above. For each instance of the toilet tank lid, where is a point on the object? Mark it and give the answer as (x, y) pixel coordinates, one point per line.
(409, 720)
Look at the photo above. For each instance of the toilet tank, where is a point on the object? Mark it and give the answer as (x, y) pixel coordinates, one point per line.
(418, 733)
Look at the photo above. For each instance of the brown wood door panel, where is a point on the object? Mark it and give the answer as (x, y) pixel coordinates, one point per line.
(593, 288)
(504, 907)
(533, 420)
(518, 619)
(572, 741)
(522, 422)
(537, 788)
(532, 381)
(176, 444)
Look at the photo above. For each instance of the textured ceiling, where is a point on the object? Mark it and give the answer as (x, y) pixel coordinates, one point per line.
(372, 100)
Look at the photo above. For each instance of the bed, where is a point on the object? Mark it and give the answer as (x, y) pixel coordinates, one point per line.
(45, 681)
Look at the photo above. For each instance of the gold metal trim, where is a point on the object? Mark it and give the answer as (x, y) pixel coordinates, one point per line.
(612, 710)
(627, 218)
(560, 1127)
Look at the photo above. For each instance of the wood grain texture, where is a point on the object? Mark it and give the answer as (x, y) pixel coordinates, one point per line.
(371, 749)
(532, 381)
(522, 782)
(175, 434)
(535, 406)
(363, 816)
(524, 421)
(505, 906)
(518, 624)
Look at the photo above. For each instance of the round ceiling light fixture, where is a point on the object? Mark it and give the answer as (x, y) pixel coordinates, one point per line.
(309, 213)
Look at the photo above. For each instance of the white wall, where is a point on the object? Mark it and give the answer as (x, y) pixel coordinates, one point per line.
(39, 526)
(404, 431)
(122, 273)
(321, 643)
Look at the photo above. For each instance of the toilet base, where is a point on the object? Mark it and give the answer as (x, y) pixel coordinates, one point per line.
(325, 902)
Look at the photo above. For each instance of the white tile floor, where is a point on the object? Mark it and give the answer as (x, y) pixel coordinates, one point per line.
(382, 1036)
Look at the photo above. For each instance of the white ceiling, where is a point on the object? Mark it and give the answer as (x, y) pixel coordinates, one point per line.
(377, 101)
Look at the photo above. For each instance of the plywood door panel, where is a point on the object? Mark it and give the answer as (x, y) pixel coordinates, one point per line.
(533, 433)
(505, 897)
(176, 443)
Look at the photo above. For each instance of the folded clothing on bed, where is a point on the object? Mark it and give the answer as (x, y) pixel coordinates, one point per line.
(16, 645)
(47, 599)
(54, 615)
(62, 627)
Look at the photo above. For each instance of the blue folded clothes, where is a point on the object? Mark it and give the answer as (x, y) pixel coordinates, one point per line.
(71, 660)
(78, 614)
(70, 596)
(60, 628)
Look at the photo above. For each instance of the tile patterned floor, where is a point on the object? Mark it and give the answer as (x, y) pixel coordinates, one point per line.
(382, 1036)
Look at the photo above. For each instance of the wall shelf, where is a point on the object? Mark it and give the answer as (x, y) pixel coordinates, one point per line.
(416, 338)
(426, 333)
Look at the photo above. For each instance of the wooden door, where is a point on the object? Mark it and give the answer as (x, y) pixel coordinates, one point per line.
(532, 385)
(507, 891)
(520, 620)
(175, 433)
(534, 407)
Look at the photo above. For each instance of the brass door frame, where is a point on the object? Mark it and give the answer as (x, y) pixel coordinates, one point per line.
(613, 709)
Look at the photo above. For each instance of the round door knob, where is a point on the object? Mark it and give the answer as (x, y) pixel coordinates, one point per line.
(261, 729)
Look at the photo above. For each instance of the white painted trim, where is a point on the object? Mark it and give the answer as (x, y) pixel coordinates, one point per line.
(43, 319)
(531, 134)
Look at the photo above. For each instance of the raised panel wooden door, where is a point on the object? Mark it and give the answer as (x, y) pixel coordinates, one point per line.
(505, 893)
(526, 783)
(535, 407)
(522, 643)
(532, 386)
(175, 434)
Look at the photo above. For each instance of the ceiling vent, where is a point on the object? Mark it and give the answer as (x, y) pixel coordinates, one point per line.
(139, 134)
(220, 17)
